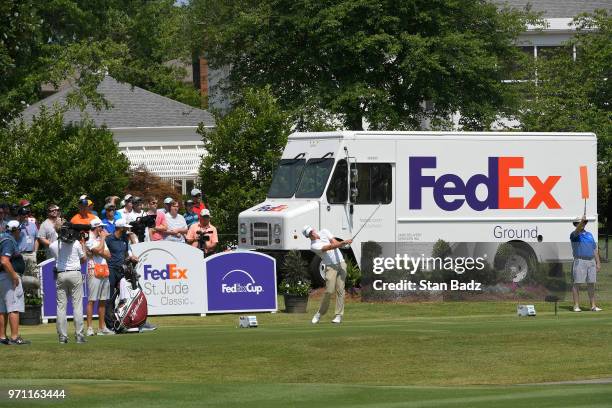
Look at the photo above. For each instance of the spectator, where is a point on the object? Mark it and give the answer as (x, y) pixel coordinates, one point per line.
(190, 216)
(26, 205)
(3, 217)
(89, 204)
(177, 227)
(47, 234)
(110, 217)
(167, 204)
(203, 235)
(28, 242)
(112, 200)
(127, 212)
(11, 291)
(137, 207)
(198, 204)
(69, 256)
(154, 234)
(98, 285)
(84, 216)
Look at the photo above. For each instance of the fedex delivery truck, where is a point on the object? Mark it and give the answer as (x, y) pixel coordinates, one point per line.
(419, 187)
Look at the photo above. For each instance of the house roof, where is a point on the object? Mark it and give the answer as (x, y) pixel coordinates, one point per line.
(559, 9)
(131, 107)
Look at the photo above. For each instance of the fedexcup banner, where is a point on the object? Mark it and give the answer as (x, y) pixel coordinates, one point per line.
(240, 282)
(172, 277)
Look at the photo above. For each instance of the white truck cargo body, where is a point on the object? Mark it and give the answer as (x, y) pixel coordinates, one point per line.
(485, 187)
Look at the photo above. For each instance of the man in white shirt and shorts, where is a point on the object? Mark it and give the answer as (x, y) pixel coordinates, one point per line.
(98, 286)
(327, 247)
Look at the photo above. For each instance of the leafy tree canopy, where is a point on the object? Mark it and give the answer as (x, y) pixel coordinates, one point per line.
(50, 162)
(51, 41)
(570, 95)
(243, 151)
(373, 59)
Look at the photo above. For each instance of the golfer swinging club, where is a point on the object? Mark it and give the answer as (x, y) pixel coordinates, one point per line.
(327, 247)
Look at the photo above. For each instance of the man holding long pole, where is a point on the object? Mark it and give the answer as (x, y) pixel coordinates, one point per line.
(327, 247)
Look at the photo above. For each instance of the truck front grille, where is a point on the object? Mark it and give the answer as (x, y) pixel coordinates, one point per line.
(260, 234)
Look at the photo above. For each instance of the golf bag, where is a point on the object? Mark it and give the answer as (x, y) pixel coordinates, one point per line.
(129, 302)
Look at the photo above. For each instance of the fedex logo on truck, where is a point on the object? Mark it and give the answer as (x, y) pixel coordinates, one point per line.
(170, 272)
(449, 188)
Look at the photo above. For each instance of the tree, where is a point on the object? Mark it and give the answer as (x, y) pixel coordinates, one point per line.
(243, 151)
(78, 40)
(575, 96)
(49, 161)
(377, 60)
(144, 184)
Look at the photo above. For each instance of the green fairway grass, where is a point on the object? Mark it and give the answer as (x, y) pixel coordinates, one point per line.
(446, 354)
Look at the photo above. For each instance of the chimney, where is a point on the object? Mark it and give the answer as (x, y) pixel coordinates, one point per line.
(200, 75)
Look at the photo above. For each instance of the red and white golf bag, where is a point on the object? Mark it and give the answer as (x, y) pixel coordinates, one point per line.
(132, 310)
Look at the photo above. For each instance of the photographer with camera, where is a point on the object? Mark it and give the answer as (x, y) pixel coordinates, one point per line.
(69, 254)
(203, 235)
(11, 292)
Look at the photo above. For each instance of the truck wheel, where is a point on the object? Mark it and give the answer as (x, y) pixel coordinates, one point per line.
(519, 265)
(315, 272)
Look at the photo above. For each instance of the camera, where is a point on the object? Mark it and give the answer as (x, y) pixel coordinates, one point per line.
(70, 232)
(203, 237)
(141, 224)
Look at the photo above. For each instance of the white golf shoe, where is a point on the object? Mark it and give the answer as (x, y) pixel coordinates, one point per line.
(337, 319)
(316, 318)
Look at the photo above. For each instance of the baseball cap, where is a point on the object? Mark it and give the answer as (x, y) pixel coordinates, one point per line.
(577, 220)
(52, 207)
(83, 197)
(12, 225)
(168, 200)
(121, 223)
(205, 212)
(24, 203)
(188, 202)
(307, 230)
(195, 192)
(96, 222)
(127, 197)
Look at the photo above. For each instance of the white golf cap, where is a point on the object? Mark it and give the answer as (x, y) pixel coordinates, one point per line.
(307, 230)
(83, 197)
(12, 225)
(121, 223)
(96, 222)
(205, 212)
(577, 220)
(127, 197)
(168, 200)
(195, 192)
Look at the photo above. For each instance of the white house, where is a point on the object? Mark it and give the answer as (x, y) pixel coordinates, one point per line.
(150, 129)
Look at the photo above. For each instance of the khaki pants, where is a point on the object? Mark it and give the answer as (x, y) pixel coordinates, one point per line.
(69, 284)
(335, 277)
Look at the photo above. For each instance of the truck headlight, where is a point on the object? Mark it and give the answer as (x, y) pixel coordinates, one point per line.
(277, 230)
(243, 229)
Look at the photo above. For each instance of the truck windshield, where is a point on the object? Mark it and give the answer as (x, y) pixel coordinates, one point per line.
(314, 178)
(286, 178)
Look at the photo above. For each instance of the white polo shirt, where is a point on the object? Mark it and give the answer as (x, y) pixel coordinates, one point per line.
(331, 257)
(69, 256)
